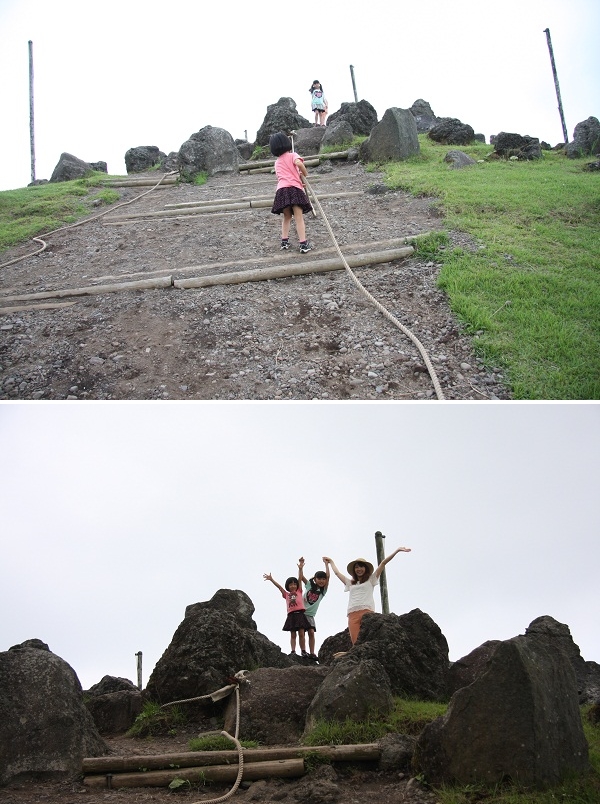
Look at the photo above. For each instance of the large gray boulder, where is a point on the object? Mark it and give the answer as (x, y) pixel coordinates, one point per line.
(394, 138)
(361, 116)
(216, 639)
(210, 150)
(354, 689)
(339, 133)
(307, 141)
(70, 167)
(509, 145)
(459, 159)
(450, 131)
(273, 703)
(424, 116)
(468, 668)
(45, 727)
(586, 139)
(557, 636)
(142, 158)
(281, 116)
(114, 703)
(520, 720)
(412, 650)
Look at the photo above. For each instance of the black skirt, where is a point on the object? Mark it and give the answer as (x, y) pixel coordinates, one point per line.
(296, 621)
(290, 197)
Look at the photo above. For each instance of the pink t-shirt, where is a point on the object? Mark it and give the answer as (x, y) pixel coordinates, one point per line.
(287, 172)
(294, 601)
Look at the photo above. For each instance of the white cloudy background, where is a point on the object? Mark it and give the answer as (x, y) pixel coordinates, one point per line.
(115, 517)
(123, 73)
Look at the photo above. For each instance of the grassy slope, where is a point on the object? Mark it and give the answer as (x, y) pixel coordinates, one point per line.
(532, 290)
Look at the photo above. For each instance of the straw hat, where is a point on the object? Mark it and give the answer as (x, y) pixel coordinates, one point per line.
(364, 561)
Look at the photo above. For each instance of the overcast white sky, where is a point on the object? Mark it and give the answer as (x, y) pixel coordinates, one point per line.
(115, 75)
(115, 517)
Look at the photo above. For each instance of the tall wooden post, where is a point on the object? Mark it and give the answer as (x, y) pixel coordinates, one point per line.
(385, 606)
(555, 74)
(139, 669)
(353, 84)
(31, 135)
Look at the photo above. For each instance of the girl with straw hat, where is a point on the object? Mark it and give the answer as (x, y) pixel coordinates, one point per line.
(361, 583)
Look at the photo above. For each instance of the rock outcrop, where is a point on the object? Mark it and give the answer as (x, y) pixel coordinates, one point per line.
(394, 138)
(45, 728)
(450, 131)
(274, 703)
(210, 150)
(281, 116)
(354, 689)
(586, 139)
(70, 167)
(142, 158)
(519, 720)
(216, 639)
(424, 116)
(516, 146)
(361, 116)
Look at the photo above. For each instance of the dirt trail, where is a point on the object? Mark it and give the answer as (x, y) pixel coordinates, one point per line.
(306, 337)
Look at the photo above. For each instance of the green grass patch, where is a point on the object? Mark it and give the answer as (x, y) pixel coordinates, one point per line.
(332, 149)
(407, 717)
(154, 720)
(32, 211)
(530, 288)
(217, 742)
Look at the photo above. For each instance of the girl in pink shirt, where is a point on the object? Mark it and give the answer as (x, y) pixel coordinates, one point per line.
(290, 197)
(296, 621)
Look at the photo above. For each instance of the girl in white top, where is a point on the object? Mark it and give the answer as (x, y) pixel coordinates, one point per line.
(360, 586)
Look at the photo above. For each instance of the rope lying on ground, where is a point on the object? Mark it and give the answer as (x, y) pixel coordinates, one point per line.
(216, 696)
(80, 223)
(373, 300)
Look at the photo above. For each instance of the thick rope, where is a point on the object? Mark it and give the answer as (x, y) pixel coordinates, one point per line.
(80, 223)
(373, 300)
(234, 739)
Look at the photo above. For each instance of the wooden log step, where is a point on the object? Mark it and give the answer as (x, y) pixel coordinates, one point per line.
(225, 205)
(282, 768)
(294, 269)
(94, 290)
(335, 753)
(23, 307)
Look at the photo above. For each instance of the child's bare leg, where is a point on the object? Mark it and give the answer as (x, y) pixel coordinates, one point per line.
(293, 640)
(302, 640)
(299, 221)
(311, 641)
(285, 223)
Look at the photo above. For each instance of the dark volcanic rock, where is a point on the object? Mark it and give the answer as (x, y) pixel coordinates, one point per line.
(274, 702)
(216, 639)
(45, 728)
(520, 720)
(361, 116)
(450, 131)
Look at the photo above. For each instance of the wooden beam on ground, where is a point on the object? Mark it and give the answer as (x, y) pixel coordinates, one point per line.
(95, 290)
(282, 768)
(223, 205)
(140, 183)
(294, 269)
(366, 752)
(22, 308)
(347, 248)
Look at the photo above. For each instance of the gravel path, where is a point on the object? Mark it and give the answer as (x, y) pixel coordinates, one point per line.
(311, 337)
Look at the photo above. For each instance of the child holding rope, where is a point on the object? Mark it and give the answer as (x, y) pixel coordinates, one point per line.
(290, 197)
(296, 621)
(363, 579)
(314, 590)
